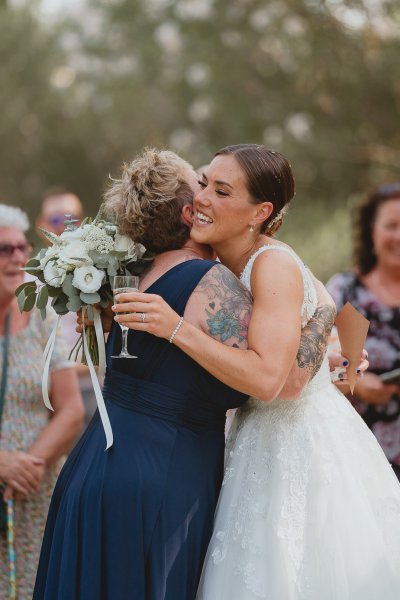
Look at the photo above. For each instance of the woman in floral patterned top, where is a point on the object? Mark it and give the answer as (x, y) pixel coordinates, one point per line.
(31, 443)
(374, 289)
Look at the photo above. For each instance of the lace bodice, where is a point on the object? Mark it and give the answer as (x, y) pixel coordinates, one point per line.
(310, 295)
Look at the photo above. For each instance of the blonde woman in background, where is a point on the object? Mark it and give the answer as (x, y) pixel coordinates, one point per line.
(31, 440)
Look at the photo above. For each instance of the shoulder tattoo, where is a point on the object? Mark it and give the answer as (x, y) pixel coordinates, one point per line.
(314, 339)
(228, 306)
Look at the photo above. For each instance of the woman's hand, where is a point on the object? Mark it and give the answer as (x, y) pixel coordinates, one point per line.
(372, 390)
(338, 361)
(106, 315)
(21, 471)
(146, 312)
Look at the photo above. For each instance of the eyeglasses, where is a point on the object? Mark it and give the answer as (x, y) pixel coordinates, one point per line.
(59, 218)
(389, 189)
(7, 250)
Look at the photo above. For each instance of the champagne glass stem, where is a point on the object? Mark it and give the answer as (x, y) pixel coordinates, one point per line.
(124, 340)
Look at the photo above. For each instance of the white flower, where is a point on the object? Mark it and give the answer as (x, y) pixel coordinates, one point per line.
(88, 279)
(75, 253)
(51, 252)
(97, 238)
(123, 243)
(53, 275)
(75, 234)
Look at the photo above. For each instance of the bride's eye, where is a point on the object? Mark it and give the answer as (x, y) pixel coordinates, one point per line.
(221, 193)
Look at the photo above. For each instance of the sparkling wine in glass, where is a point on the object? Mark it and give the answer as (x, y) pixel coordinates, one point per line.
(120, 285)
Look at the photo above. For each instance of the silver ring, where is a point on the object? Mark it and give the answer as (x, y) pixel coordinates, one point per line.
(143, 317)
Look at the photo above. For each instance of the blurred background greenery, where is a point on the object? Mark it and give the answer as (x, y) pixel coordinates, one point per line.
(85, 85)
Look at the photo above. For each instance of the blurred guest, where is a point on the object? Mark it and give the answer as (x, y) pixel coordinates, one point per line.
(58, 202)
(31, 443)
(373, 287)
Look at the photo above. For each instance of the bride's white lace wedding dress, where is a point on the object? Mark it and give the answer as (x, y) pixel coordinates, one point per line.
(309, 507)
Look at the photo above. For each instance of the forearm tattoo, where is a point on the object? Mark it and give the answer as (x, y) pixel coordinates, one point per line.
(314, 339)
(229, 306)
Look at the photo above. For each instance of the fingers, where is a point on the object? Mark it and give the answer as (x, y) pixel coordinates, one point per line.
(137, 297)
(336, 360)
(132, 307)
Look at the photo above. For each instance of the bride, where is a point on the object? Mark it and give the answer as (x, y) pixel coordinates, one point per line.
(310, 507)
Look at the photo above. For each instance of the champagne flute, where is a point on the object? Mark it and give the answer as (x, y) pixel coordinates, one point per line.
(122, 284)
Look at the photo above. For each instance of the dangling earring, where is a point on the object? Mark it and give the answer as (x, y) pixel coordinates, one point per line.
(251, 228)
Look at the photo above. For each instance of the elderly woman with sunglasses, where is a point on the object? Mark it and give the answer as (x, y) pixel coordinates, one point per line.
(31, 443)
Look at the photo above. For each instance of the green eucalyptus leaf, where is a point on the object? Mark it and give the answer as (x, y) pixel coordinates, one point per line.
(43, 313)
(25, 286)
(60, 304)
(21, 297)
(29, 301)
(67, 286)
(90, 298)
(43, 297)
(74, 303)
(33, 263)
(53, 291)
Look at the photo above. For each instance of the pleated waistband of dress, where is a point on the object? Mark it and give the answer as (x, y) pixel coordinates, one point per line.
(159, 401)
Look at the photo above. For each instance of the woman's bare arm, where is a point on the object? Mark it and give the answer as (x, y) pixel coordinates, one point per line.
(273, 334)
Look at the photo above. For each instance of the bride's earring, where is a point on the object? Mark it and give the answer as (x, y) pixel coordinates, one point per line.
(251, 228)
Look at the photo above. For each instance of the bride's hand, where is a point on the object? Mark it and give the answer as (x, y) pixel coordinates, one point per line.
(146, 312)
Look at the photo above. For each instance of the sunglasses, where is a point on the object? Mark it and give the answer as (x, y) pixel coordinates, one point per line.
(7, 250)
(389, 189)
(60, 218)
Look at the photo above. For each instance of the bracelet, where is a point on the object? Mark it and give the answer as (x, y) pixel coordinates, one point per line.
(175, 331)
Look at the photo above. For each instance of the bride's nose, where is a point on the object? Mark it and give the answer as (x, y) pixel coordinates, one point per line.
(201, 197)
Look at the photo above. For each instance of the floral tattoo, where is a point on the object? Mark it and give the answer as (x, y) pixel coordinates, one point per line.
(229, 306)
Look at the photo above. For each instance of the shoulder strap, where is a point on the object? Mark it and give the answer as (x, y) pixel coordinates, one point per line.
(178, 284)
(6, 346)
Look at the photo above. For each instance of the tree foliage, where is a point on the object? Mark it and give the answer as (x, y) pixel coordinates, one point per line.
(315, 79)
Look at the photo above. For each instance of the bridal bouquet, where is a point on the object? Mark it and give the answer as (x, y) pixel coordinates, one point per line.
(74, 273)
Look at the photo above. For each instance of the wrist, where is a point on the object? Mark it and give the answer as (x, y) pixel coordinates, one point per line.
(175, 331)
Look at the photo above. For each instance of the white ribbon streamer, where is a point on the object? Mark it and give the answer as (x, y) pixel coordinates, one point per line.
(48, 351)
(98, 327)
(96, 387)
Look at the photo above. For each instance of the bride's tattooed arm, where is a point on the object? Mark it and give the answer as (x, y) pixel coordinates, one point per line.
(314, 339)
(227, 311)
(226, 306)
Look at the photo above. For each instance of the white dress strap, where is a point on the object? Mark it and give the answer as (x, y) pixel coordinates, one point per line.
(310, 300)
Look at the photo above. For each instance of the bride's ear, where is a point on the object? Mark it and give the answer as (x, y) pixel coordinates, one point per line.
(263, 212)
(187, 214)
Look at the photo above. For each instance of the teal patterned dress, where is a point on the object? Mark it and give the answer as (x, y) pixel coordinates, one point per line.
(24, 417)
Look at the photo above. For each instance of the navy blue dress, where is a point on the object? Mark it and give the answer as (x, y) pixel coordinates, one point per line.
(134, 522)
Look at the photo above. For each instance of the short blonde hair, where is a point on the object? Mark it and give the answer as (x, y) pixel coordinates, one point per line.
(11, 216)
(146, 202)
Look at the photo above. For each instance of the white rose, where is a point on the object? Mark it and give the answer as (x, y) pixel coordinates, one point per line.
(123, 243)
(75, 253)
(51, 252)
(53, 275)
(75, 234)
(88, 279)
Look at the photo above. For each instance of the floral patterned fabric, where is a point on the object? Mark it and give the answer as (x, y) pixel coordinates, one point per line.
(24, 417)
(383, 346)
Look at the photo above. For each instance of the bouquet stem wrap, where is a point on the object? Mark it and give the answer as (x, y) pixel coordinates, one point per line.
(99, 335)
